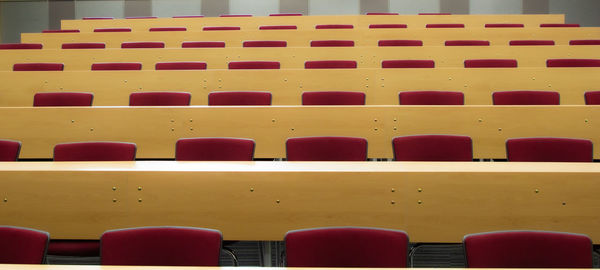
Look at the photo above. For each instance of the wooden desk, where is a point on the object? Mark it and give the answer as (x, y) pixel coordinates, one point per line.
(309, 22)
(302, 38)
(294, 57)
(431, 201)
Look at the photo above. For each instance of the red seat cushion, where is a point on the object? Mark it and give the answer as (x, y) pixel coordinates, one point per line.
(167, 29)
(220, 28)
(286, 14)
(467, 43)
(62, 99)
(254, 65)
(504, 25)
(180, 66)
(234, 15)
(61, 31)
(531, 43)
(387, 26)
(95, 151)
(382, 13)
(383, 43)
(203, 44)
(585, 42)
(9, 150)
(332, 43)
(214, 149)
(83, 46)
(22, 245)
(433, 148)
(278, 27)
(528, 249)
(407, 64)
(329, 64)
(326, 149)
(445, 25)
(98, 18)
(334, 26)
(526, 98)
(38, 67)
(100, 30)
(142, 45)
(346, 247)
(21, 46)
(188, 16)
(491, 63)
(333, 98)
(141, 17)
(559, 25)
(573, 63)
(160, 99)
(435, 13)
(79, 248)
(549, 150)
(431, 98)
(117, 66)
(265, 43)
(592, 98)
(239, 98)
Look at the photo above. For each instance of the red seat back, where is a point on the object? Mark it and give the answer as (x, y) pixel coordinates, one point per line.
(326, 149)
(431, 98)
(528, 249)
(407, 64)
(21, 46)
(38, 67)
(333, 98)
(526, 98)
(220, 28)
(559, 25)
(504, 25)
(239, 98)
(254, 65)
(491, 63)
(334, 26)
(22, 245)
(161, 246)
(95, 151)
(48, 99)
(585, 42)
(332, 43)
(387, 26)
(117, 66)
(234, 15)
(160, 99)
(87, 45)
(557, 63)
(214, 149)
(203, 44)
(382, 13)
(265, 43)
(531, 43)
(285, 14)
(111, 30)
(445, 25)
(142, 45)
(346, 247)
(592, 98)
(9, 151)
(277, 27)
(329, 64)
(167, 29)
(180, 66)
(433, 148)
(549, 150)
(61, 31)
(467, 43)
(383, 43)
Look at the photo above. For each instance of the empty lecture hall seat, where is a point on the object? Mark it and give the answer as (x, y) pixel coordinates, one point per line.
(399, 43)
(60, 31)
(21, 46)
(433, 148)
(467, 43)
(431, 98)
(160, 99)
(333, 98)
(264, 43)
(254, 65)
(387, 26)
(332, 43)
(407, 64)
(528, 249)
(592, 98)
(549, 150)
(445, 25)
(22, 245)
(234, 15)
(334, 26)
(585, 42)
(48, 99)
(559, 25)
(187, 16)
(526, 98)
(112, 30)
(239, 98)
(95, 151)
(491, 63)
(180, 66)
(9, 150)
(116, 66)
(141, 17)
(531, 43)
(435, 13)
(203, 44)
(98, 18)
(277, 27)
(214, 149)
(161, 246)
(504, 25)
(220, 28)
(86, 45)
(346, 247)
(329, 64)
(38, 67)
(142, 45)
(285, 14)
(326, 149)
(558, 63)
(382, 13)
(167, 29)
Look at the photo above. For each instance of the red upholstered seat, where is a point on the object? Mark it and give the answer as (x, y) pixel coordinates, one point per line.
(38, 67)
(98, 18)
(383, 43)
(433, 148)
(142, 45)
(48, 99)
(234, 15)
(214, 149)
(407, 64)
(504, 25)
(573, 63)
(188, 16)
(161, 246)
(326, 149)
(334, 26)
(111, 30)
(21, 46)
(585, 42)
(95, 151)
(277, 27)
(559, 25)
(445, 25)
(526, 98)
(141, 17)
(592, 98)
(168, 29)
(83, 46)
(382, 13)
(79, 248)
(22, 245)
(387, 26)
(265, 43)
(332, 43)
(180, 65)
(203, 44)
(239, 98)
(435, 13)
(467, 43)
(346, 247)
(117, 66)
(61, 31)
(326, 64)
(431, 98)
(160, 99)
(9, 150)
(491, 63)
(531, 43)
(254, 65)
(333, 98)
(285, 14)
(549, 150)
(220, 28)
(528, 249)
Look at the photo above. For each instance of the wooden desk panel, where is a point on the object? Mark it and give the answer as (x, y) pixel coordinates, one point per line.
(433, 202)
(155, 130)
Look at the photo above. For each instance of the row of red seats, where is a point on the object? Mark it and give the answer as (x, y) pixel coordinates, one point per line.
(316, 247)
(256, 98)
(406, 148)
(317, 64)
(281, 43)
